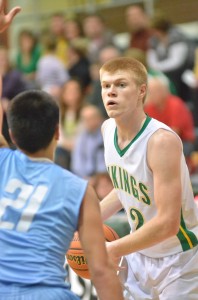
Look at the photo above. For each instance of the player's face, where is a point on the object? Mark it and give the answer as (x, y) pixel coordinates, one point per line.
(120, 93)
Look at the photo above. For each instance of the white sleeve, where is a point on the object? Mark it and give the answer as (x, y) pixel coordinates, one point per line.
(177, 56)
(104, 124)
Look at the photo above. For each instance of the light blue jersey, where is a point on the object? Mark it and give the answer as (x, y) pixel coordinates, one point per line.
(39, 209)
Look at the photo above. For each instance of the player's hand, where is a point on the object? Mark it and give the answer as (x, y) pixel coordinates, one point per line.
(114, 259)
(6, 19)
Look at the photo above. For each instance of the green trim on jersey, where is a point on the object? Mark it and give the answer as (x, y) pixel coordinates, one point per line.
(186, 237)
(123, 151)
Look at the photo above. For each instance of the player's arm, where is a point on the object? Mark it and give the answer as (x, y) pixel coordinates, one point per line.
(5, 21)
(110, 205)
(91, 234)
(1, 109)
(3, 142)
(164, 158)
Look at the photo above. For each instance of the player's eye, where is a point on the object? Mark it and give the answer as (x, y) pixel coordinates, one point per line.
(105, 86)
(122, 84)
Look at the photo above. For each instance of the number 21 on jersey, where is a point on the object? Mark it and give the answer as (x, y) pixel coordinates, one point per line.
(24, 197)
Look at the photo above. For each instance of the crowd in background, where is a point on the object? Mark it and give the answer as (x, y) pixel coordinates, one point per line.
(64, 60)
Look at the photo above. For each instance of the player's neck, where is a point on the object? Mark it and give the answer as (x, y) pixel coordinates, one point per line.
(47, 153)
(127, 130)
(41, 154)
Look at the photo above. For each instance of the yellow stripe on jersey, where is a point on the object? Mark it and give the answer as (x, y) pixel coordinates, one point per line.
(186, 236)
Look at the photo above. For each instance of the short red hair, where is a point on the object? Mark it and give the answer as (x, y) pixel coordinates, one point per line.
(126, 64)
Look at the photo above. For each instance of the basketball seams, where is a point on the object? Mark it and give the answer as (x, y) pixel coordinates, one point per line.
(76, 249)
(76, 269)
(112, 232)
(75, 255)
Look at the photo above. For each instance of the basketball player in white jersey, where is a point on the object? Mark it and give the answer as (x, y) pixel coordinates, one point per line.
(151, 182)
(42, 205)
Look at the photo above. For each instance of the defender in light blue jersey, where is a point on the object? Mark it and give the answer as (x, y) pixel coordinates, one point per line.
(41, 206)
(39, 209)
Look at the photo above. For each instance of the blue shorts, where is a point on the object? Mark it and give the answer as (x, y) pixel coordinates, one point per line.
(12, 292)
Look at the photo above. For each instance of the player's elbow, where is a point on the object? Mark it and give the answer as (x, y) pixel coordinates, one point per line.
(174, 228)
(98, 273)
(171, 227)
(101, 270)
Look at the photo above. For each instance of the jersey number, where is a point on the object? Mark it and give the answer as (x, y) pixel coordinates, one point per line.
(28, 197)
(137, 217)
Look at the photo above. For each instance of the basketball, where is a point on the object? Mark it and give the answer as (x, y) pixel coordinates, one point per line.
(75, 255)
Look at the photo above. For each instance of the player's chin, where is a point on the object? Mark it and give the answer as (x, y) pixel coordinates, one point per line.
(113, 114)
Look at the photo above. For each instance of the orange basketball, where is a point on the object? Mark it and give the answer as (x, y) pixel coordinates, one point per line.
(75, 255)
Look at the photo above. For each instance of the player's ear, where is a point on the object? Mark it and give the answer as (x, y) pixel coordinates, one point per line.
(142, 91)
(11, 136)
(57, 132)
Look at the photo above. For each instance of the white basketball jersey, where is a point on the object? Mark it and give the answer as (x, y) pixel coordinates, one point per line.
(133, 181)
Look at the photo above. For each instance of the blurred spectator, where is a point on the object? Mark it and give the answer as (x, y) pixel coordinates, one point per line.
(98, 35)
(79, 65)
(172, 111)
(13, 83)
(139, 28)
(170, 52)
(88, 152)
(141, 56)
(71, 101)
(73, 30)
(57, 29)
(51, 72)
(28, 55)
(106, 53)
(190, 77)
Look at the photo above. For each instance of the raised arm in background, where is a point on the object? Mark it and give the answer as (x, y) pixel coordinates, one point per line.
(5, 21)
